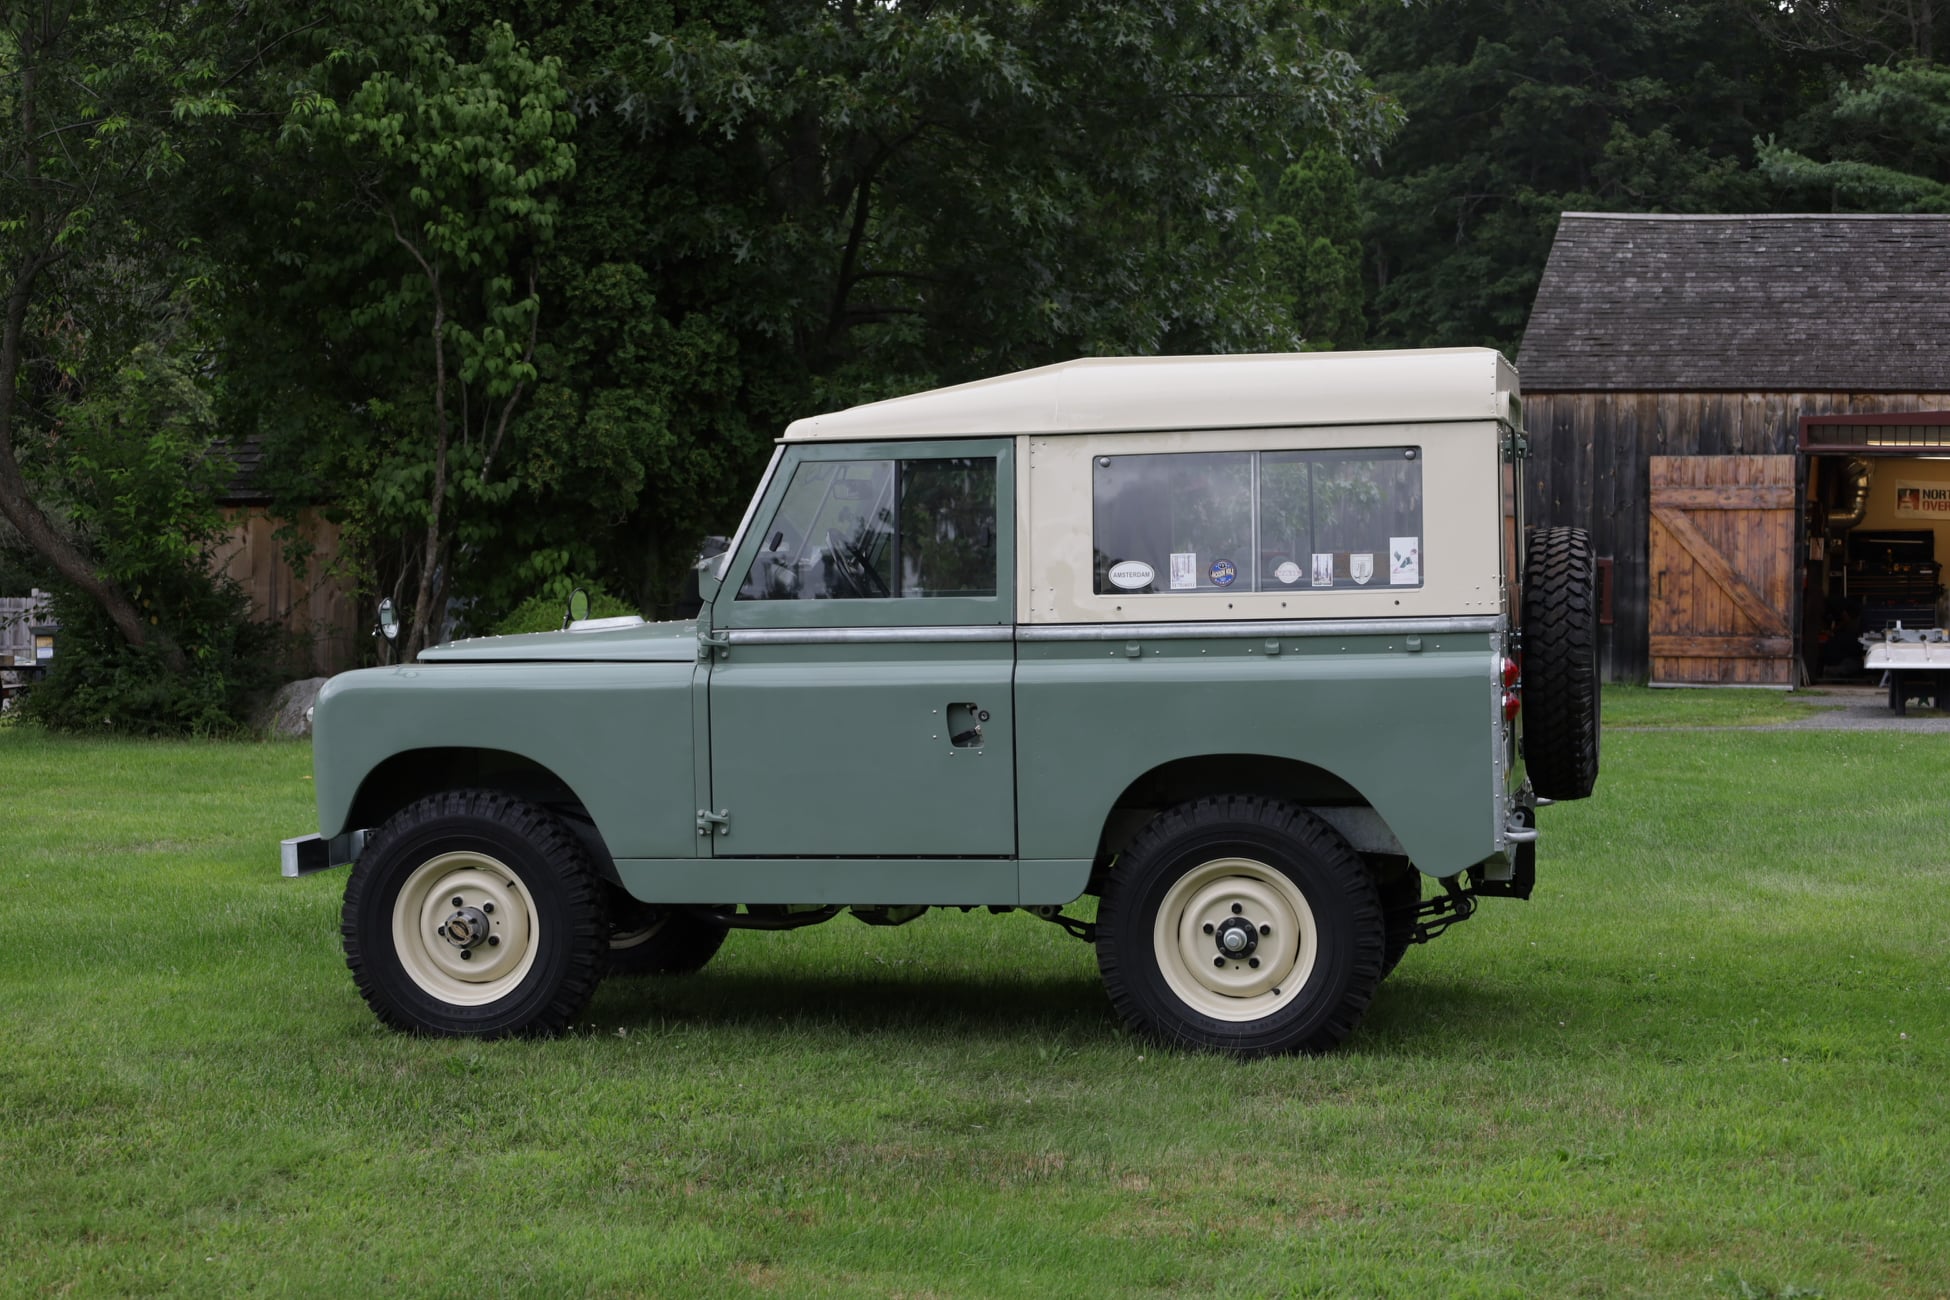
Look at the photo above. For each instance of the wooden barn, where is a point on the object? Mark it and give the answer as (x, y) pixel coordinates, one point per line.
(1751, 415)
(319, 607)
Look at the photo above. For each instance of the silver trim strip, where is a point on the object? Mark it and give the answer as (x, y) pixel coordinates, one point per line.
(1318, 627)
(865, 635)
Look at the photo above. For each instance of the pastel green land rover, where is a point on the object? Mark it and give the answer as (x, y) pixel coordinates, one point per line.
(1238, 649)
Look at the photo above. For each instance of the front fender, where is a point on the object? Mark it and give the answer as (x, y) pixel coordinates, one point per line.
(619, 735)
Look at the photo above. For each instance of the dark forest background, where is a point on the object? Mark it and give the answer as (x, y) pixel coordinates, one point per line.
(522, 292)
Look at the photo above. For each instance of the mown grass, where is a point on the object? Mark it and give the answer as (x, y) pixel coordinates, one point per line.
(1708, 1059)
(1725, 706)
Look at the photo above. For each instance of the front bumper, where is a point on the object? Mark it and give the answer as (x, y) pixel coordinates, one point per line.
(305, 854)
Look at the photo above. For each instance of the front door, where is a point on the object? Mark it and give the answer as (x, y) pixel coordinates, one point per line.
(862, 706)
(1722, 565)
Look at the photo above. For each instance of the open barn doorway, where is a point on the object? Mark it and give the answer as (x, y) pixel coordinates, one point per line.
(1875, 534)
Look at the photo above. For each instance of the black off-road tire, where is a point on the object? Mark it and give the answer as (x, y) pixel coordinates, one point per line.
(1560, 663)
(1401, 899)
(645, 939)
(1227, 862)
(529, 902)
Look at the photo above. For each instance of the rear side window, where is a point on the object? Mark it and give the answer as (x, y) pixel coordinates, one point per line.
(1258, 521)
(880, 529)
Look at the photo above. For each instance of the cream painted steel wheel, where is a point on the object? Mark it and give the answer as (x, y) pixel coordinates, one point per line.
(1240, 924)
(475, 913)
(464, 928)
(1235, 939)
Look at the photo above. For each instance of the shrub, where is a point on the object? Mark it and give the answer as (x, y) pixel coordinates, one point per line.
(544, 612)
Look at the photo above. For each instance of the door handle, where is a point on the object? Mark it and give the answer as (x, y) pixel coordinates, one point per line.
(965, 725)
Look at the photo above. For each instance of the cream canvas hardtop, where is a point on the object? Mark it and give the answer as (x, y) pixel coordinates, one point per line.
(1261, 390)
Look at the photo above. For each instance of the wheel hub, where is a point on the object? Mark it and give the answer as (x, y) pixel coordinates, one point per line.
(466, 927)
(1237, 938)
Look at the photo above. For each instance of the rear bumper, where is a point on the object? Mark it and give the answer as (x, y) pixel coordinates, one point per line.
(305, 854)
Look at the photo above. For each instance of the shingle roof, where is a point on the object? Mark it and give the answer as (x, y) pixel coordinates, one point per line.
(1796, 303)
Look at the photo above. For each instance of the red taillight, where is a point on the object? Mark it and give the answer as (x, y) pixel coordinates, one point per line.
(1512, 696)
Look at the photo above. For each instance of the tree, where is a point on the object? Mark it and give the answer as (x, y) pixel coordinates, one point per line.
(422, 266)
(1519, 110)
(89, 110)
(778, 209)
(1315, 238)
(1887, 137)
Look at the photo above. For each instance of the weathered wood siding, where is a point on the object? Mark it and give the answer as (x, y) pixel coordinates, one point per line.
(321, 607)
(1591, 453)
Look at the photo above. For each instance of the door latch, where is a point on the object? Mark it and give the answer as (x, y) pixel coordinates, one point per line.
(706, 643)
(709, 822)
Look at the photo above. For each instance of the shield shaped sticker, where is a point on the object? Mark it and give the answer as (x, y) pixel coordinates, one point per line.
(1360, 568)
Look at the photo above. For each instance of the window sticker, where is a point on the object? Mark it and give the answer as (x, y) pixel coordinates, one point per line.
(1361, 567)
(1224, 573)
(1404, 561)
(1184, 570)
(1323, 568)
(1131, 575)
(1287, 572)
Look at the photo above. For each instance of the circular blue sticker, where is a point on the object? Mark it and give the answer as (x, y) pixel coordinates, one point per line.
(1223, 573)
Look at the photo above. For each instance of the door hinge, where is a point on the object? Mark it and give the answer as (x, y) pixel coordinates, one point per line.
(706, 643)
(1516, 445)
(709, 822)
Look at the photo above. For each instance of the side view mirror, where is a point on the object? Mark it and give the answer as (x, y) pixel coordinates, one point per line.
(388, 620)
(578, 607)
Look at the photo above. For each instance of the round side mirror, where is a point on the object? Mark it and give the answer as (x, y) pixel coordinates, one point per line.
(388, 620)
(578, 607)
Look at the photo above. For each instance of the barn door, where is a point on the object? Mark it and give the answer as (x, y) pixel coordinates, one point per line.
(1722, 552)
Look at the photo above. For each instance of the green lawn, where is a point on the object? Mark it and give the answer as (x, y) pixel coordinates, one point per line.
(1735, 706)
(1707, 1060)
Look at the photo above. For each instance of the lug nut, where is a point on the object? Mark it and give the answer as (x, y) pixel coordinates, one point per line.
(487, 907)
(1264, 929)
(467, 954)
(1236, 909)
(1253, 962)
(442, 932)
(494, 941)
(1220, 962)
(457, 901)
(1208, 927)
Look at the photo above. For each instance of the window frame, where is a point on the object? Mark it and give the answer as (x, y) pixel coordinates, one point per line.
(902, 611)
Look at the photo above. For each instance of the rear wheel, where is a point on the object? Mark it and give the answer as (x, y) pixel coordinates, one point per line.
(473, 913)
(645, 939)
(1243, 925)
(1401, 901)
(1560, 664)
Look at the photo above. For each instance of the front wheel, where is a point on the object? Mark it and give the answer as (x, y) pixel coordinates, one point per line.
(1243, 925)
(475, 914)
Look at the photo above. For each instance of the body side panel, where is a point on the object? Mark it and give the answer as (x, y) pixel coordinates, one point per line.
(1407, 721)
(618, 734)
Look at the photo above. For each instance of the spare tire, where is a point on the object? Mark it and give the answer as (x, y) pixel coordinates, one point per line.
(1560, 663)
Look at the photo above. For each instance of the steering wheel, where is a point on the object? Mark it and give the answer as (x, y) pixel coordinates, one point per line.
(857, 575)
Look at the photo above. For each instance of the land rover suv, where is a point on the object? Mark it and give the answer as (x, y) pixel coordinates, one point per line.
(1230, 666)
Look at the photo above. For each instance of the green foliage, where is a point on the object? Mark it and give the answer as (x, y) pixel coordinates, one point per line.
(101, 683)
(1887, 141)
(1519, 110)
(778, 210)
(1315, 249)
(108, 469)
(544, 611)
(418, 250)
